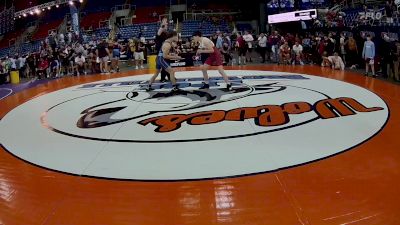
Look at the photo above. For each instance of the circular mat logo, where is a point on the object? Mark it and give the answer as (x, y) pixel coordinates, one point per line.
(269, 121)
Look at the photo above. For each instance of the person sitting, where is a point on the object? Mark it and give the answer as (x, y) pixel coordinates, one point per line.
(80, 64)
(297, 53)
(43, 66)
(336, 61)
(325, 60)
(54, 67)
(285, 53)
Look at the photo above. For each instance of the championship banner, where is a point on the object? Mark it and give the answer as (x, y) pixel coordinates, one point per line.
(75, 19)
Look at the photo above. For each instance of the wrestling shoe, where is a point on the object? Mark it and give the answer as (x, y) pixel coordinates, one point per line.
(205, 86)
(229, 87)
(149, 88)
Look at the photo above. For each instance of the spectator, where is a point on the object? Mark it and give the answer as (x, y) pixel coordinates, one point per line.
(297, 54)
(388, 52)
(21, 61)
(325, 60)
(139, 54)
(285, 53)
(248, 38)
(241, 46)
(103, 53)
(220, 41)
(342, 43)
(274, 41)
(80, 64)
(31, 62)
(352, 52)
(368, 54)
(4, 75)
(262, 43)
(226, 51)
(116, 55)
(337, 62)
(54, 67)
(42, 68)
(397, 62)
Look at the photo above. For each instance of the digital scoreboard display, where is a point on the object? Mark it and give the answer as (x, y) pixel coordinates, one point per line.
(293, 16)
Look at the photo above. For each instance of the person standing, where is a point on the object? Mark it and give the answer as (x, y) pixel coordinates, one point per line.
(368, 55)
(163, 56)
(262, 43)
(388, 50)
(241, 46)
(352, 52)
(248, 38)
(139, 54)
(103, 53)
(274, 40)
(214, 59)
(397, 62)
(342, 42)
(160, 38)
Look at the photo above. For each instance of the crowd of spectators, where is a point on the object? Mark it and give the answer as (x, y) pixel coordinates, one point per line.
(336, 50)
(62, 55)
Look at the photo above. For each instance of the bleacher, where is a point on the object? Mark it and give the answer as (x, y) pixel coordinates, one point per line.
(145, 15)
(91, 20)
(4, 43)
(206, 27)
(30, 47)
(43, 30)
(102, 33)
(146, 30)
(4, 52)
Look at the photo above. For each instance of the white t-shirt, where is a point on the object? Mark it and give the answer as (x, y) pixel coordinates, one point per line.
(80, 60)
(297, 49)
(13, 65)
(22, 61)
(248, 38)
(262, 41)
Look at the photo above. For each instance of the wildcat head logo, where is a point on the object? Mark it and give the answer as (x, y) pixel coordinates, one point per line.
(269, 121)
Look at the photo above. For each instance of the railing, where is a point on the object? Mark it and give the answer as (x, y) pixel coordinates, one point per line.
(200, 15)
(104, 24)
(123, 7)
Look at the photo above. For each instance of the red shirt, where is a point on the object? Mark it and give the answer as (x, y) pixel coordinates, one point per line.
(241, 42)
(43, 65)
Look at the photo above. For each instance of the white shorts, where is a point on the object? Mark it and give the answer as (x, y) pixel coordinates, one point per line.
(104, 59)
(139, 56)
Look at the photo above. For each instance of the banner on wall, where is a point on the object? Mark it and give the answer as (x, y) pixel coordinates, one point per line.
(75, 19)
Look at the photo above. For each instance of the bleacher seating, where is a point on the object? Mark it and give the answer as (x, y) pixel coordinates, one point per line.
(146, 30)
(102, 33)
(92, 20)
(206, 27)
(9, 36)
(92, 6)
(43, 30)
(4, 52)
(29, 47)
(145, 14)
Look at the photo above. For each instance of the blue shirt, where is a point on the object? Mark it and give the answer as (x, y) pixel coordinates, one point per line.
(368, 50)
